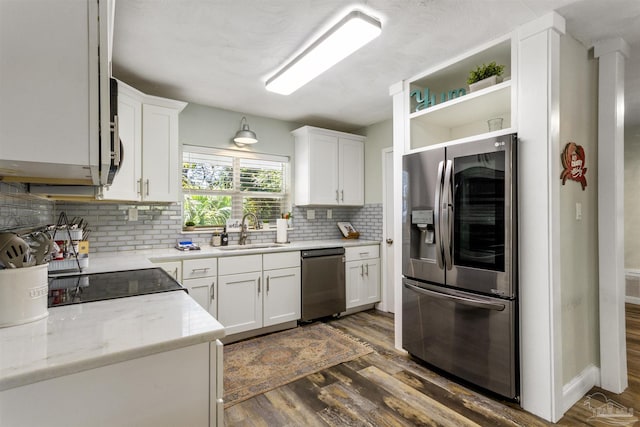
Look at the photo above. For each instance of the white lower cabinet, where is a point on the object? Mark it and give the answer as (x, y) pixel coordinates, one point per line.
(181, 387)
(251, 298)
(281, 301)
(174, 268)
(240, 293)
(200, 276)
(362, 275)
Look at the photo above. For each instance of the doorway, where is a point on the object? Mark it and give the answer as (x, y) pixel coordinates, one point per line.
(388, 270)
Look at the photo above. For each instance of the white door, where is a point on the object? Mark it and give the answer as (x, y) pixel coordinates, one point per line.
(323, 170)
(353, 283)
(351, 167)
(371, 284)
(388, 243)
(281, 295)
(240, 307)
(160, 164)
(203, 290)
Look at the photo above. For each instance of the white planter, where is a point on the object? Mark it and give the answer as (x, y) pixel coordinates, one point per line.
(489, 81)
(23, 295)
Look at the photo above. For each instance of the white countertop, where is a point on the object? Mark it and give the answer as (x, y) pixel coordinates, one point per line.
(131, 260)
(79, 337)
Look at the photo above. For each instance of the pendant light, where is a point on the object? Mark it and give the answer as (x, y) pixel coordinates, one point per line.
(245, 135)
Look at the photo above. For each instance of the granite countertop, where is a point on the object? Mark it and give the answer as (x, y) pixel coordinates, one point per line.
(79, 337)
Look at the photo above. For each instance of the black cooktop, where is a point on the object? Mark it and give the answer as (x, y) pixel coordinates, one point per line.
(81, 288)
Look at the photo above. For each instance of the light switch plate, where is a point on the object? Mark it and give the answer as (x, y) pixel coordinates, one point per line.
(311, 214)
(578, 211)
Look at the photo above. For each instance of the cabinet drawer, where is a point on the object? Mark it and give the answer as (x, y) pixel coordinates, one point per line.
(194, 268)
(239, 264)
(281, 260)
(362, 252)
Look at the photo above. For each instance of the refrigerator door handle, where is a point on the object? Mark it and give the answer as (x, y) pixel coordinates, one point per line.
(458, 299)
(447, 213)
(436, 215)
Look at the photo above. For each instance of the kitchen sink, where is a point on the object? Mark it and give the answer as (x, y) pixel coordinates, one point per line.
(250, 246)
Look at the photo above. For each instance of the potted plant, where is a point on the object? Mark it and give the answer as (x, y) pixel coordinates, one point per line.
(484, 76)
(189, 226)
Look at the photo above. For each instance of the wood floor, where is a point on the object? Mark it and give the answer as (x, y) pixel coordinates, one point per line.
(387, 388)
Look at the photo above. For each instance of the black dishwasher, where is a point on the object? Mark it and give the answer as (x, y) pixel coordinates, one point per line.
(323, 289)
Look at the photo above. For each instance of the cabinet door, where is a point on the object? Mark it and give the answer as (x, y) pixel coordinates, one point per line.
(351, 166)
(174, 268)
(323, 170)
(49, 89)
(240, 307)
(370, 291)
(281, 296)
(203, 290)
(160, 165)
(126, 184)
(353, 282)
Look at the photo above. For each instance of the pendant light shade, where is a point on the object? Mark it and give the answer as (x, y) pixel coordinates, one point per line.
(245, 135)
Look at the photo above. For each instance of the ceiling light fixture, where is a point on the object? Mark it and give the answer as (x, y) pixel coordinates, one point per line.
(352, 32)
(245, 135)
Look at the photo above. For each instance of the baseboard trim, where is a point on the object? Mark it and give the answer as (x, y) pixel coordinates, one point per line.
(632, 300)
(575, 389)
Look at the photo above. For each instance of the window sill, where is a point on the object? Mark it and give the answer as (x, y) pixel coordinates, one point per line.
(219, 230)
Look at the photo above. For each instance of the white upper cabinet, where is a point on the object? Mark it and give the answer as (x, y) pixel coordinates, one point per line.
(329, 167)
(52, 114)
(148, 128)
(441, 107)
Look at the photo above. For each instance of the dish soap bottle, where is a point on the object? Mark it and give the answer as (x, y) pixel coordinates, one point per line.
(224, 238)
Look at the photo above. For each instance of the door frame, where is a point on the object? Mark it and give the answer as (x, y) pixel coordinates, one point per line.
(387, 288)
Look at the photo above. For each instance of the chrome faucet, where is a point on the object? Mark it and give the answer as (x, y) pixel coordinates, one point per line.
(244, 227)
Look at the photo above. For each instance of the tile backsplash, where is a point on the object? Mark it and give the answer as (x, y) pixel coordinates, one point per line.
(160, 226)
(19, 209)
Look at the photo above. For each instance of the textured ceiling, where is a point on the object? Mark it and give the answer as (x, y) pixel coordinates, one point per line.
(220, 52)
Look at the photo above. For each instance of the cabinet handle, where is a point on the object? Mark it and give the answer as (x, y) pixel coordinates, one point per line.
(337, 198)
(140, 187)
(147, 187)
(212, 291)
(361, 270)
(259, 284)
(367, 273)
(268, 281)
(204, 269)
(342, 195)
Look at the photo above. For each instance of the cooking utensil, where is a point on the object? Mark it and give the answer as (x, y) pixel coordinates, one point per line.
(41, 245)
(14, 251)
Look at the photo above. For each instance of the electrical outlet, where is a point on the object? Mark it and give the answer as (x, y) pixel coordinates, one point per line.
(311, 214)
(329, 214)
(133, 214)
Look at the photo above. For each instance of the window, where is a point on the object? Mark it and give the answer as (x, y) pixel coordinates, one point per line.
(222, 184)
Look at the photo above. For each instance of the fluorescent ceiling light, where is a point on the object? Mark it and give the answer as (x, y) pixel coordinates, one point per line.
(350, 34)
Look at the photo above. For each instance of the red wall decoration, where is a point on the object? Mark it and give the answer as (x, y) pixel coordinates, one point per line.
(573, 162)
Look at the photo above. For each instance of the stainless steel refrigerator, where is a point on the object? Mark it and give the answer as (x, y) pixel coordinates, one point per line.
(459, 261)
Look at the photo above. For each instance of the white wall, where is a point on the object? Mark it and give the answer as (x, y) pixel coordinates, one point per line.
(214, 127)
(579, 242)
(631, 198)
(379, 136)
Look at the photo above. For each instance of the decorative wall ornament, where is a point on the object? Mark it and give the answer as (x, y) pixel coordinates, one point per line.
(573, 162)
(426, 99)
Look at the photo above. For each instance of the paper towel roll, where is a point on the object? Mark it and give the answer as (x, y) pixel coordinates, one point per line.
(281, 231)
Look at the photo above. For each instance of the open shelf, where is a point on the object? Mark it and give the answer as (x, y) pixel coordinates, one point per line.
(481, 105)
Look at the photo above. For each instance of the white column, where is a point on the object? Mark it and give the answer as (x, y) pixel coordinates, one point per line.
(538, 113)
(400, 144)
(613, 350)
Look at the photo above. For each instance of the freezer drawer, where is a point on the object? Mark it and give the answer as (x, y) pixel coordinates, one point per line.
(470, 336)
